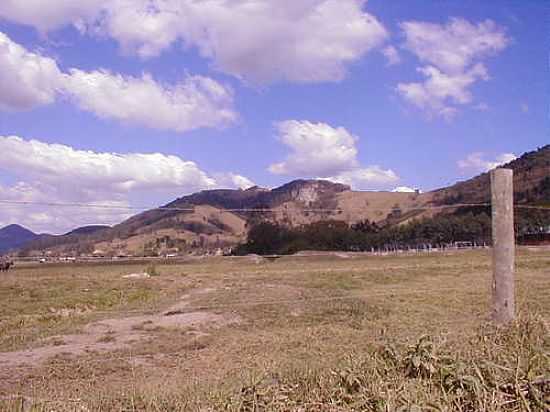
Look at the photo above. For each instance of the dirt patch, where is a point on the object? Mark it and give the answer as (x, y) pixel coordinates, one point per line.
(109, 335)
(74, 345)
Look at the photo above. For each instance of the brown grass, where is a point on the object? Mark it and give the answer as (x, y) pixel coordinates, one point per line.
(316, 333)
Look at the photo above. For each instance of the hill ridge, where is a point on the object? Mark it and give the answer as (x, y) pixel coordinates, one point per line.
(14, 236)
(208, 225)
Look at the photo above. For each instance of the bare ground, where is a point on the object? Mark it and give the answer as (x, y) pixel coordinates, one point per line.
(110, 335)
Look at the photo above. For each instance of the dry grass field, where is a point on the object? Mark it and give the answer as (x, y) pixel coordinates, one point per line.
(318, 333)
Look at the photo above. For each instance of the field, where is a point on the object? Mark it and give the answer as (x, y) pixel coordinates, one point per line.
(317, 333)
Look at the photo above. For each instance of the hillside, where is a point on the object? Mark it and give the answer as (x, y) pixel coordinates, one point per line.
(87, 230)
(219, 219)
(14, 236)
(214, 219)
(531, 182)
(45, 241)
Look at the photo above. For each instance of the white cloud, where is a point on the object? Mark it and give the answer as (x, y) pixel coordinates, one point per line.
(263, 41)
(322, 151)
(232, 180)
(259, 41)
(452, 54)
(404, 189)
(196, 102)
(55, 219)
(110, 172)
(392, 55)
(143, 27)
(55, 14)
(317, 149)
(456, 45)
(59, 173)
(477, 163)
(26, 79)
(439, 91)
(367, 178)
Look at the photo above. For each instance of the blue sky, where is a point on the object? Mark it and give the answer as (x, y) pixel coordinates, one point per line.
(375, 94)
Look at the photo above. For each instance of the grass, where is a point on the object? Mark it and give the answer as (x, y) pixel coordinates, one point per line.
(494, 370)
(313, 334)
(43, 301)
(152, 270)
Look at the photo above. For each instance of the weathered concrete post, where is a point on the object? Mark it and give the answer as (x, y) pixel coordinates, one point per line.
(502, 202)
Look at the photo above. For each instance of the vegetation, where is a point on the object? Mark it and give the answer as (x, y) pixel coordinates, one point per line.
(466, 225)
(496, 370)
(267, 238)
(395, 333)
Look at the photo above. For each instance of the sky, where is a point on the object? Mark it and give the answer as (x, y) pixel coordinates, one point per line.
(133, 103)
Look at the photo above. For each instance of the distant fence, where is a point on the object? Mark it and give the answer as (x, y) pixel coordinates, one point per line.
(534, 239)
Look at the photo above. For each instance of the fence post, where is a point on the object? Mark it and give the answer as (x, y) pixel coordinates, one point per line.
(502, 203)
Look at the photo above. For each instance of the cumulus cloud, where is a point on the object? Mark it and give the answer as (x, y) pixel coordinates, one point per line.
(476, 162)
(60, 173)
(156, 24)
(196, 102)
(452, 55)
(109, 172)
(28, 79)
(439, 91)
(259, 41)
(265, 41)
(316, 149)
(322, 151)
(456, 45)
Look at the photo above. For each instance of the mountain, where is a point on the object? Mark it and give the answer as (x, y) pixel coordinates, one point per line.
(214, 219)
(14, 236)
(72, 238)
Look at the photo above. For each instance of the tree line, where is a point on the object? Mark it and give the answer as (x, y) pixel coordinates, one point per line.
(266, 238)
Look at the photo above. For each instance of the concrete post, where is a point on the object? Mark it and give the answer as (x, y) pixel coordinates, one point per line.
(502, 201)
